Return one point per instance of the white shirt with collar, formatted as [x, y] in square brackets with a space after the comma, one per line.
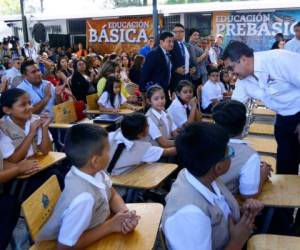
[76, 218]
[250, 173]
[277, 82]
[154, 131]
[187, 57]
[8, 149]
[293, 45]
[211, 91]
[153, 154]
[168, 60]
[177, 111]
[189, 228]
[105, 101]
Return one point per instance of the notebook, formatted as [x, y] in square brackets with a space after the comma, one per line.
[108, 118]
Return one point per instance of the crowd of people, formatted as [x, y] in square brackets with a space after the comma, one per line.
[177, 80]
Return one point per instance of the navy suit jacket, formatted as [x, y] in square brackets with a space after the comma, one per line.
[178, 59]
[155, 69]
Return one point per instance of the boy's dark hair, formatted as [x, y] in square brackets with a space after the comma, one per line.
[297, 25]
[83, 141]
[109, 88]
[211, 70]
[182, 84]
[192, 31]
[231, 115]
[163, 36]
[235, 50]
[179, 25]
[200, 146]
[132, 125]
[25, 64]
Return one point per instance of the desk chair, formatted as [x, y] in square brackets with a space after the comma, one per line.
[91, 101]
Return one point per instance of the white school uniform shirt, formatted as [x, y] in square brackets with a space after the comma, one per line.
[276, 82]
[250, 173]
[293, 45]
[76, 218]
[211, 91]
[177, 111]
[6, 146]
[153, 154]
[154, 131]
[118, 101]
[189, 228]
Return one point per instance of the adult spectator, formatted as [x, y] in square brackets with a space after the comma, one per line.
[30, 51]
[294, 44]
[157, 68]
[181, 59]
[198, 57]
[264, 77]
[42, 93]
[81, 84]
[81, 52]
[216, 51]
[136, 69]
[278, 37]
[13, 75]
[148, 47]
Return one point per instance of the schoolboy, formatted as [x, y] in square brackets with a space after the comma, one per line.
[128, 148]
[81, 214]
[200, 211]
[246, 174]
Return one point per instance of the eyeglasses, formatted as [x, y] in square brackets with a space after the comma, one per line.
[214, 75]
[178, 31]
[230, 153]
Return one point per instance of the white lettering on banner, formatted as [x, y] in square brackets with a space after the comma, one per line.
[116, 35]
[252, 25]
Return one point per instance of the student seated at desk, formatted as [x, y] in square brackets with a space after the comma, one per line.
[9, 206]
[184, 108]
[82, 213]
[246, 174]
[25, 132]
[200, 212]
[128, 148]
[112, 99]
[161, 126]
[212, 92]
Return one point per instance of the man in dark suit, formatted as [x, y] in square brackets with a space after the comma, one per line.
[183, 65]
[157, 68]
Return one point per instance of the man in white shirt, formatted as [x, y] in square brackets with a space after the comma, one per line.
[13, 75]
[294, 44]
[272, 77]
[215, 51]
[30, 51]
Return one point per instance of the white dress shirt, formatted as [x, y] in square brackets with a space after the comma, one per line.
[177, 112]
[277, 81]
[154, 131]
[186, 58]
[153, 154]
[7, 148]
[211, 91]
[105, 101]
[189, 228]
[250, 172]
[293, 45]
[76, 218]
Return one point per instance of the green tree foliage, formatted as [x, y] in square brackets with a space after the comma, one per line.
[9, 7]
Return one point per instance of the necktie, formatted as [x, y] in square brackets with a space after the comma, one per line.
[187, 110]
[182, 49]
[115, 157]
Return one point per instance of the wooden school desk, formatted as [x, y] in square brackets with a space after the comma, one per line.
[281, 191]
[261, 128]
[123, 111]
[69, 125]
[146, 176]
[143, 237]
[263, 112]
[273, 242]
[270, 160]
[46, 161]
[262, 144]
